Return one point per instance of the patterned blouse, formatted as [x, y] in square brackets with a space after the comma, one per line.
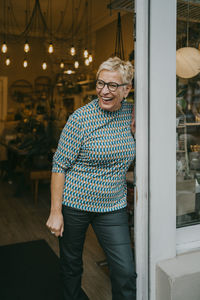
[94, 152]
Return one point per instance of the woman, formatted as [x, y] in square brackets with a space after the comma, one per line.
[88, 183]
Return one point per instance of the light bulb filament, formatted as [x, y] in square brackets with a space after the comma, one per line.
[7, 62]
[44, 65]
[50, 49]
[4, 48]
[85, 53]
[25, 63]
[72, 51]
[26, 47]
[76, 64]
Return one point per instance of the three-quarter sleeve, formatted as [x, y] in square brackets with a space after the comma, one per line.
[68, 146]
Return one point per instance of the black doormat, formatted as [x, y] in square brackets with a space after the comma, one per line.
[29, 271]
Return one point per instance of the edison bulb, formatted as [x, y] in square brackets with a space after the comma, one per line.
[85, 53]
[87, 62]
[7, 61]
[4, 48]
[72, 51]
[44, 65]
[26, 47]
[90, 58]
[25, 63]
[76, 64]
[50, 49]
[62, 65]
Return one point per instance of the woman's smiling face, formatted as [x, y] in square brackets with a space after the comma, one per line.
[108, 100]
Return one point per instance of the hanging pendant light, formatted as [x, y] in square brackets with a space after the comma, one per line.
[187, 58]
[44, 65]
[4, 48]
[26, 47]
[62, 65]
[50, 49]
[72, 50]
[85, 53]
[25, 63]
[7, 61]
[90, 58]
[76, 64]
[187, 62]
[87, 62]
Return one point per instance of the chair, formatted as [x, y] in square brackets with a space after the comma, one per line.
[35, 177]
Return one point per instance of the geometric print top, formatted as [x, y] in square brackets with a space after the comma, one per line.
[94, 152]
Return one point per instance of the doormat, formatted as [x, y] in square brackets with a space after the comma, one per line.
[29, 271]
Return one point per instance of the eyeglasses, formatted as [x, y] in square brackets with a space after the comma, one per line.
[112, 86]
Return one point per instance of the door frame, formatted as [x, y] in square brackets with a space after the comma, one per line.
[142, 140]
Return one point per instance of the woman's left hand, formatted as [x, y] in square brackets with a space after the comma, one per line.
[133, 121]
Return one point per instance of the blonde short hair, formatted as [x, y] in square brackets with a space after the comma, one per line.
[113, 64]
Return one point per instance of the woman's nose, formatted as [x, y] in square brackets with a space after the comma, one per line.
[105, 89]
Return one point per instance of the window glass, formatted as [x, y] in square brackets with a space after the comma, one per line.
[188, 113]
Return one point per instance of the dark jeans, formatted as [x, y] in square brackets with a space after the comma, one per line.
[112, 232]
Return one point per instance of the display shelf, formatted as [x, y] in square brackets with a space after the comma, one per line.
[192, 124]
[182, 148]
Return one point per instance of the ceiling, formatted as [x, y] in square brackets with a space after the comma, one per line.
[65, 17]
[59, 17]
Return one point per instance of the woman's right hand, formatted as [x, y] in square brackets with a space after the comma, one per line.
[55, 223]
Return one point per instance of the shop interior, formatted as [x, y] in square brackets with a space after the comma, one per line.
[187, 113]
[50, 52]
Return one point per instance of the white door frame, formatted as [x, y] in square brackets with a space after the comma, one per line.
[155, 85]
[142, 112]
[162, 136]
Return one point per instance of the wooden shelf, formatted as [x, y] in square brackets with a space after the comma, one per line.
[192, 124]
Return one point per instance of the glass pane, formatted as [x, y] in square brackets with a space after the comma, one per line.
[188, 113]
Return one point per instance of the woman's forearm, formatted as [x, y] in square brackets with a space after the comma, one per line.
[57, 184]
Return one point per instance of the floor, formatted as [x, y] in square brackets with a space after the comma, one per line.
[21, 220]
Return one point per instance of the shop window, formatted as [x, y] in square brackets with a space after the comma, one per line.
[188, 114]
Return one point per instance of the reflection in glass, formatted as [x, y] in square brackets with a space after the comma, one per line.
[188, 152]
[187, 120]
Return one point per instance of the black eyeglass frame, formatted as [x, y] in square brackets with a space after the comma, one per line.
[108, 85]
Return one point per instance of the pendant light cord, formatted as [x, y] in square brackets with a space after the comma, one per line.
[188, 15]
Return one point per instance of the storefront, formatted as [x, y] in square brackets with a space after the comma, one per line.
[167, 205]
[167, 208]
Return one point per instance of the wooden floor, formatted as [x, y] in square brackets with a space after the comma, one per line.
[21, 220]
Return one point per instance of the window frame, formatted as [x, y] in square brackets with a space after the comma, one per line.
[188, 239]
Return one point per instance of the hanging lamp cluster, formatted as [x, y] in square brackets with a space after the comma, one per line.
[87, 57]
[36, 27]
